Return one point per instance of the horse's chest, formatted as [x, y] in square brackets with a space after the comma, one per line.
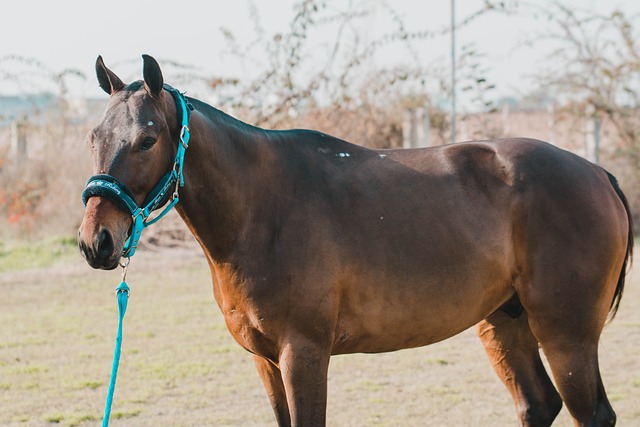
[248, 331]
[248, 320]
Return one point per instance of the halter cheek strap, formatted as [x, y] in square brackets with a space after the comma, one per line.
[108, 186]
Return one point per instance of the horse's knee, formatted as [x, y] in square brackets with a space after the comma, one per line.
[608, 421]
[575, 368]
[605, 415]
[540, 415]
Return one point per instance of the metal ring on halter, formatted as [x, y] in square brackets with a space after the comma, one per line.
[124, 264]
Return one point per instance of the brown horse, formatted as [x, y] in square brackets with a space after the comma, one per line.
[320, 247]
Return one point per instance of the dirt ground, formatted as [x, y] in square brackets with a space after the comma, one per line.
[180, 367]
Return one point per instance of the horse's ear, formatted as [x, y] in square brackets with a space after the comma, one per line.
[109, 82]
[152, 75]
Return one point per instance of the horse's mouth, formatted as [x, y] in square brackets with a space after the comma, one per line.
[107, 266]
[98, 263]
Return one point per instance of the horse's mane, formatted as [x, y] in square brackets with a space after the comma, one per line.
[220, 116]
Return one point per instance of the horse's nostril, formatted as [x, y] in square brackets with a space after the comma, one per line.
[105, 244]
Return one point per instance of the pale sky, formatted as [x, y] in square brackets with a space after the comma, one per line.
[71, 33]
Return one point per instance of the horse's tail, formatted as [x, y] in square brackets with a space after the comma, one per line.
[617, 296]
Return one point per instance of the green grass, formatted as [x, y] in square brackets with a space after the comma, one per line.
[125, 414]
[70, 419]
[30, 370]
[36, 254]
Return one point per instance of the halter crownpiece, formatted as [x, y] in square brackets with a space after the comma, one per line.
[105, 185]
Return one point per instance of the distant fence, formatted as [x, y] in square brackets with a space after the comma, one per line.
[416, 128]
[585, 134]
[18, 142]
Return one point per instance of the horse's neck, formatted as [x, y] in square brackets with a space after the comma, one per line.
[219, 175]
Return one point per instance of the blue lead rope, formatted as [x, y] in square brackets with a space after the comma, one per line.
[122, 293]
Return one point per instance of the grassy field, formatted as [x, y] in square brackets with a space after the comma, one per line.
[180, 367]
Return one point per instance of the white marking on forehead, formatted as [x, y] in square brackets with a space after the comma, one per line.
[150, 123]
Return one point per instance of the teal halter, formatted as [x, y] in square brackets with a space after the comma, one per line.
[110, 187]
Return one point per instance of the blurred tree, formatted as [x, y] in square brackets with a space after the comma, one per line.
[32, 191]
[597, 64]
[344, 86]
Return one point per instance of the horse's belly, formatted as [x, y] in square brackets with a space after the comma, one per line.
[382, 316]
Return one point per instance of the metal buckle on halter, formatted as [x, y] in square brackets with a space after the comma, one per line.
[139, 213]
[183, 131]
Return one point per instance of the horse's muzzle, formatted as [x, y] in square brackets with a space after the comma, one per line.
[99, 253]
[102, 233]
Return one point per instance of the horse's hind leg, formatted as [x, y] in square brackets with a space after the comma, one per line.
[570, 343]
[272, 380]
[575, 368]
[513, 351]
[567, 311]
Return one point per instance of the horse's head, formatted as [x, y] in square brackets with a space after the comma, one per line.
[135, 145]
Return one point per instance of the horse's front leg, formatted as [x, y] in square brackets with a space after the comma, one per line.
[304, 365]
[272, 380]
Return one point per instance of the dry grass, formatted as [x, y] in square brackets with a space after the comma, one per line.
[180, 367]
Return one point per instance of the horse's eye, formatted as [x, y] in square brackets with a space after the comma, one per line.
[147, 144]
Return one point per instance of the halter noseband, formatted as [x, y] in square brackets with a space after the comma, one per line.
[110, 187]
